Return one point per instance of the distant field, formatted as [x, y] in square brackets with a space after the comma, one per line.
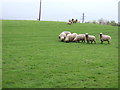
[33, 56]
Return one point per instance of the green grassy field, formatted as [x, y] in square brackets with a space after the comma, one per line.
[33, 56]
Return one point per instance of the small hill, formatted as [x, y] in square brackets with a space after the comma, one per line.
[33, 56]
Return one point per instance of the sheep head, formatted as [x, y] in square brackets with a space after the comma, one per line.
[62, 38]
[101, 34]
[86, 35]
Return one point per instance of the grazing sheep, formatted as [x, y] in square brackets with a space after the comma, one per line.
[80, 37]
[69, 23]
[104, 38]
[90, 38]
[74, 21]
[67, 39]
[72, 37]
[62, 36]
[67, 32]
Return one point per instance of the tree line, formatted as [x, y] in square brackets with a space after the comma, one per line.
[104, 22]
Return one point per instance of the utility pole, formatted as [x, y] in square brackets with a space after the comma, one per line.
[83, 18]
[40, 11]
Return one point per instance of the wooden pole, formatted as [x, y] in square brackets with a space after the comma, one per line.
[83, 17]
[40, 11]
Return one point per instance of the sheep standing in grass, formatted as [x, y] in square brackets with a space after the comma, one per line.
[79, 37]
[67, 39]
[72, 37]
[69, 23]
[62, 36]
[105, 38]
[67, 32]
[74, 21]
[90, 38]
[69, 20]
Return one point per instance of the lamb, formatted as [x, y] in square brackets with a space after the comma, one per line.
[62, 36]
[90, 38]
[79, 37]
[104, 38]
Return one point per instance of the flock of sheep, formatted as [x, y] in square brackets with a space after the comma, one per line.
[67, 36]
[72, 21]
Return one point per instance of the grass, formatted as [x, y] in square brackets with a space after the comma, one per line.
[33, 57]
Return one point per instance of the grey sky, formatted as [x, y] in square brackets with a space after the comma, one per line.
[60, 10]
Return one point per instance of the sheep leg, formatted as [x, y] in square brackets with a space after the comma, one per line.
[67, 41]
[95, 41]
[76, 41]
[87, 41]
[108, 42]
[84, 40]
[81, 40]
[62, 40]
[91, 41]
[101, 42]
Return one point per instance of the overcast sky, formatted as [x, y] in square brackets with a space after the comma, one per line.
[60, 10]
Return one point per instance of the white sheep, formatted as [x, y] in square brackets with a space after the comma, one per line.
[90, 38]
[69, 23]
[72, 36]
[67, 32]
[62, 36]
[67, 39]
[79, 37]
[104, 38]
[74, 21]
